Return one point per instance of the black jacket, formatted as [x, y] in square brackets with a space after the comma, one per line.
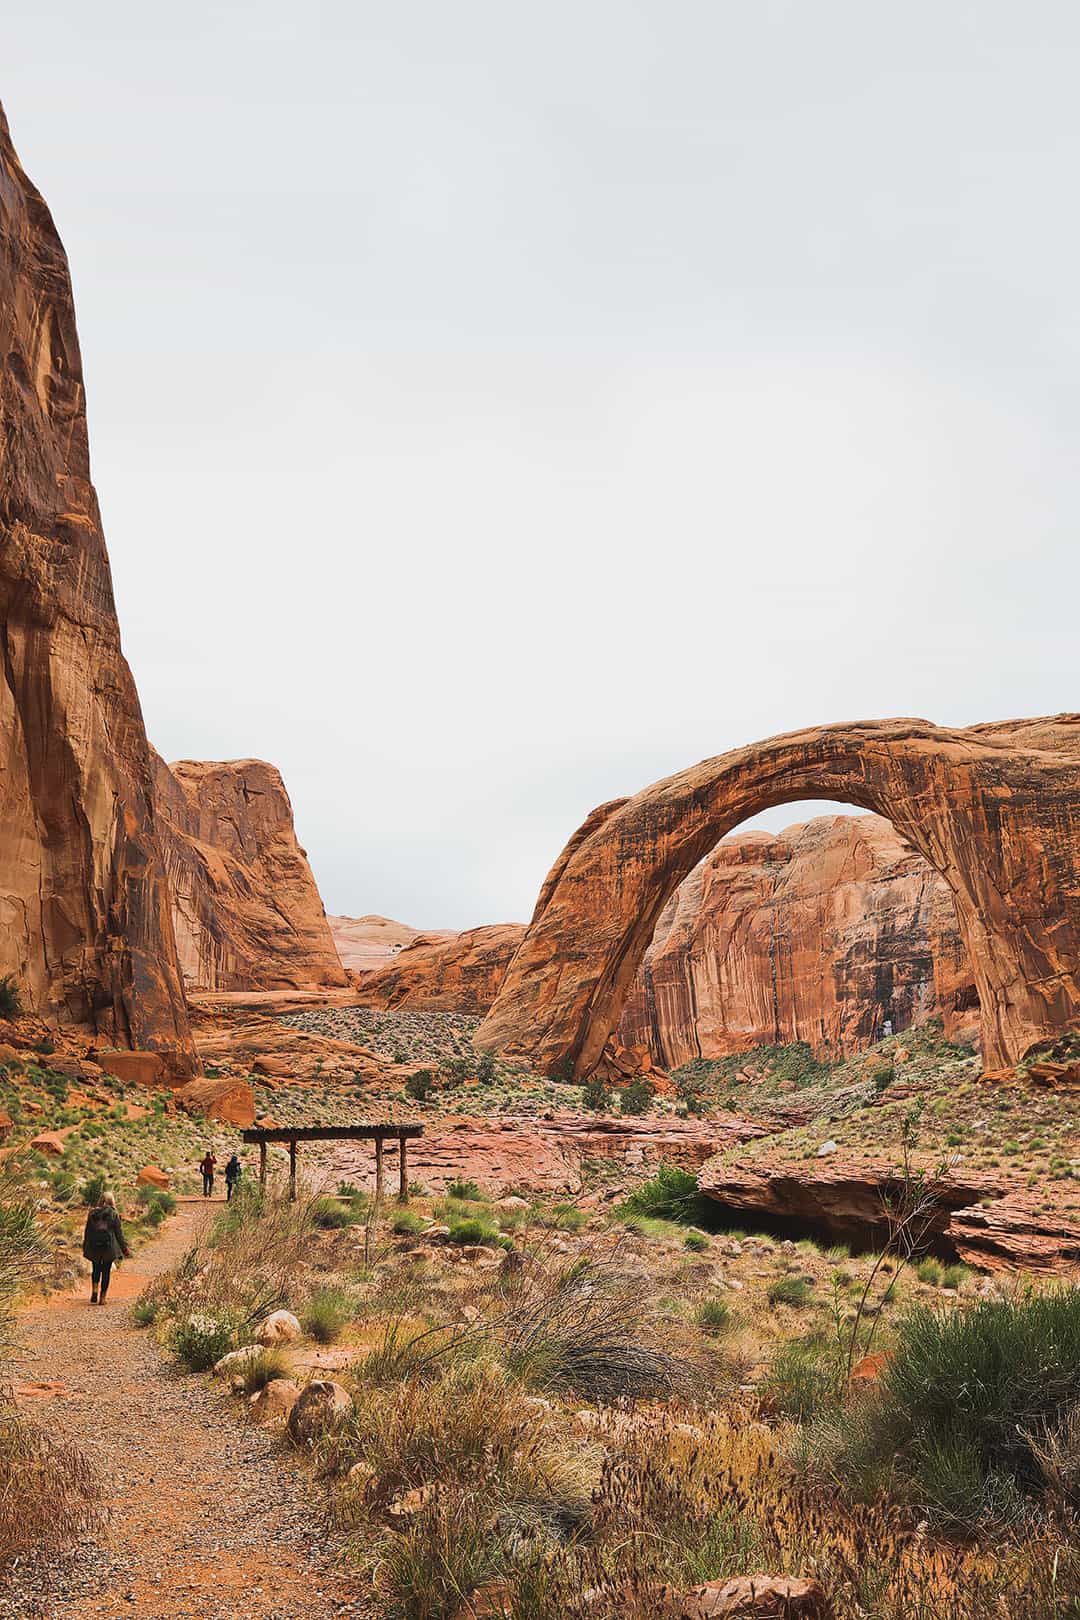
[103, 1239]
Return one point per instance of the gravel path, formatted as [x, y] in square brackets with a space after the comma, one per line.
[208, 1519]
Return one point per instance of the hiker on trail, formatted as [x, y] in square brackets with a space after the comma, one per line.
[208, 1166]
[233, 1171]
[104, 1245]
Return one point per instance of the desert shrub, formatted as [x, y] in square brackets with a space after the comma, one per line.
[63, 1186]
[407, 1223]
[421, 1085]
[155, 1213]
[595, 1097]
[930, 1271]
[330, 1214]
[486, 1069]
[790, 1291]
[248, 1264]
[326, 1314]
[697, 1242]
[10, 999]
[446, 1550]
[158, 1195]
[262, 1368]
[144, 1312]
[969, 1397]
[637, 1097]
[473, 1230]
[714, 1315]
[803, 1378]
[49, 1492]
[671, 1195]
[200, 1340]
[954, 1276]
[459, 1188]
[93, 1188]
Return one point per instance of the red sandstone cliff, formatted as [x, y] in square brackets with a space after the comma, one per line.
[84, 917]
[246, 910]
[818, 934]
[368, 944]
[449, 973]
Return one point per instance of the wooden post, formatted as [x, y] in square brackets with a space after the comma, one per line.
[292, 1170]
[378, 1169]
[262, 1166]
[403, 1172]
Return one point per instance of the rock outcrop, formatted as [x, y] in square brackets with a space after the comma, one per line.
[819, 934]
[367, 944]
[245, 907]
[84, 916]
[994, 809]
[456, 972]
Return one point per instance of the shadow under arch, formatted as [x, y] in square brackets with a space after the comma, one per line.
[994, 809]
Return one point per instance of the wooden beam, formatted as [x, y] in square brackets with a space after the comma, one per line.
[378, 1168]
[292, 1170]
[403, 1172]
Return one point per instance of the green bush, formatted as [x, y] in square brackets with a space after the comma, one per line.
[10, 1000]
[969, 1399]
[671, 1195]
[930, 1272]
[463, 1189]
[714, 1315]
[790, 1291]
[330, 1214]
[421, 1085]
[157, 1197]
[696, 1241]
[595, 1097]
[200, 1340]
[93, 1189]
[637, 1097]
[326, 1313]
[801, 1380]
[63, 1186]
[407, 1223]
[144, 1312]
[262, 1368]
[953, 1276]
[472, 1230]
[486, 1071]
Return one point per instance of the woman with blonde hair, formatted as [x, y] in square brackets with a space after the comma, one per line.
[103, 1245]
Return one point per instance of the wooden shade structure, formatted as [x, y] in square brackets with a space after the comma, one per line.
[378, 1133]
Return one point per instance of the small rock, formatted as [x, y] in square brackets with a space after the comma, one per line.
[275, 1401]
[826, 1148]
[280, 1327]
[321, 1406]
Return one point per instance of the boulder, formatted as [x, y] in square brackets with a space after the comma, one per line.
[9, 1054]
[234, 1362]
[321, 1406]
[49, 1142]
[748, 1597]
[135, 1068]
[227, 1099]
[151, 1176]
[280, 1327]
[275, 1401]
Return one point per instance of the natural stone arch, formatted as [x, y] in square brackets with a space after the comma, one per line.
[994, 809]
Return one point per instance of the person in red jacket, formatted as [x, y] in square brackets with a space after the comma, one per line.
[208, 1166]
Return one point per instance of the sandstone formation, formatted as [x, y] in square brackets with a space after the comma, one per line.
[229, 1100]
[246, 911]
[367, 944]
[84, 917]
[819, 934]
[448, 973]
[989, 1221]
[994, 809]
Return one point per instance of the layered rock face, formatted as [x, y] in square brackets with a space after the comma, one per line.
[246, 910]
[995, 810]
[449, 973]
[818, 934]
[367, 944]
[84, 916]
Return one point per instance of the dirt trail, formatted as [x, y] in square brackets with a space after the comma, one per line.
[208, 1520]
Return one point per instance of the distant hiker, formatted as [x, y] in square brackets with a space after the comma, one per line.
[103, 1245]
[208, 1166]
[233, 1171]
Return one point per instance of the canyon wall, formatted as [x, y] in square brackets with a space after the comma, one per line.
[246, 910]
[367, 944]
[819, 934]
[84, 917]
[446, 972]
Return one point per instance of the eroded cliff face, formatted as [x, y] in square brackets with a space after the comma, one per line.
[246, 910]
[84, 918]
[367, 944]
[818, 934]
[448, 973]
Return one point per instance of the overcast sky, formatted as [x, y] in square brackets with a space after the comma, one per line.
[497, 406]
